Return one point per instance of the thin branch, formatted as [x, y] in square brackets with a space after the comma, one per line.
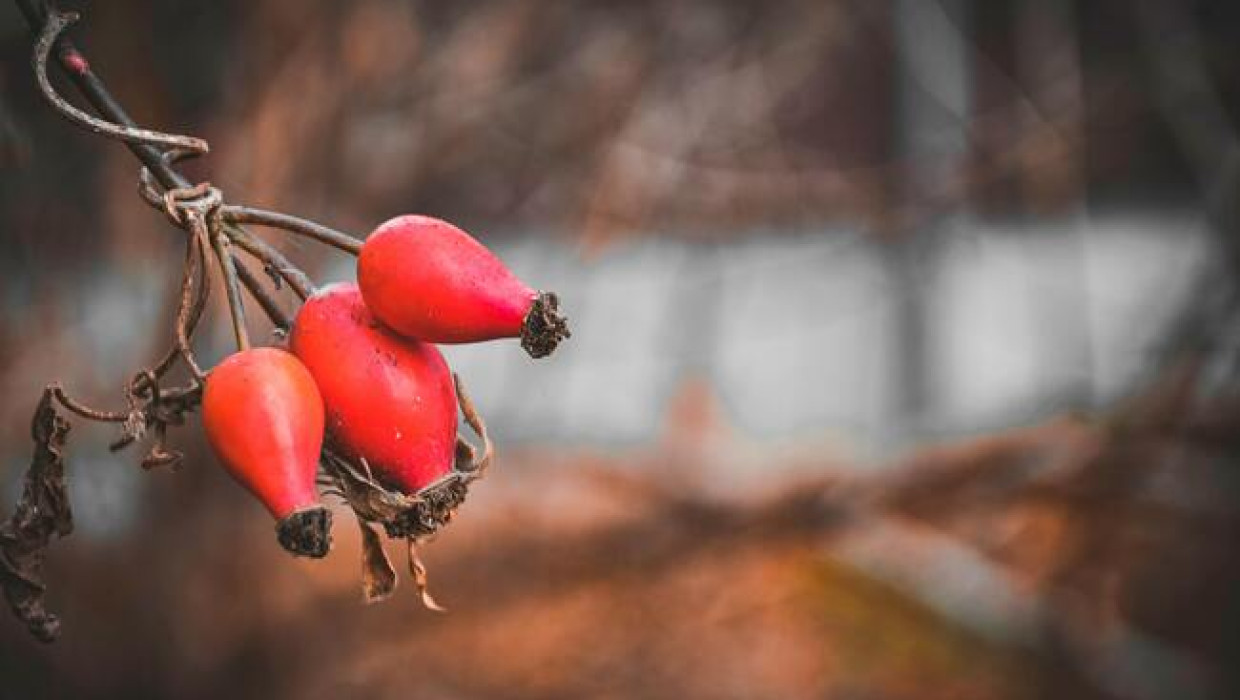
[278, 318]
[187, 322]
[157, 163]
[79, 72]
[83, 410]
[236, 305]
[195, 290]
[293, 224]
[271, 258]
[183, 332]
[56, 23]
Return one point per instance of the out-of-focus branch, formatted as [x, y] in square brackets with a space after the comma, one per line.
[1194, 109]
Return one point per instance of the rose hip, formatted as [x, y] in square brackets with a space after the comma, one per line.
[390, 400]
[427, 279]
[263, 416]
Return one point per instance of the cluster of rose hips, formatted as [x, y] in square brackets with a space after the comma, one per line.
[361, 390]
[362, 376]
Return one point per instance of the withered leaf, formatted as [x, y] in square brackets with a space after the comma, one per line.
[378, 574]
[418, 570]
[466, 460]
[42, 513]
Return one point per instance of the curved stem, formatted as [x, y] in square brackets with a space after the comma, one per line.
[195, 289]
[477, 467]
[158, 163]
[293, 224]
[79, 72]
[55, 24]
[184, 332]
[83, 410]
[187, 323]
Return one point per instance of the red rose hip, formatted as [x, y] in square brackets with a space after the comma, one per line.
[427, 279]
[390, 400]
[263, 416]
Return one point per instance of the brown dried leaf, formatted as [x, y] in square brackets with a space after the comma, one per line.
[41, 514]
[418, 570]
[466, 459]
[378, 574]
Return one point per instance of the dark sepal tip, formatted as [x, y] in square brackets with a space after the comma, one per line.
[306, 533]
[432, 510]
[544, 327]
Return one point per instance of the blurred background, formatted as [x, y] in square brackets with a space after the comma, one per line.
[905, 356]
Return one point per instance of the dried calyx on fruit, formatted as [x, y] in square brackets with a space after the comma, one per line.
[263, 416]
[417, 514]
[412, 516]
[427, 279]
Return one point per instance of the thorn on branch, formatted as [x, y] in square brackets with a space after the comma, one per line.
[276, 280]
[270, 307]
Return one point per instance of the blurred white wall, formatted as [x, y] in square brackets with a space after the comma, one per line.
[1022, 322]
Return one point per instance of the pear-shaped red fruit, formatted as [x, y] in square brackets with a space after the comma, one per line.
[427, 279]
[263, 416]
[390, 400]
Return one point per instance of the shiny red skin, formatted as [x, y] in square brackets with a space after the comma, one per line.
[390, 400]
[427, 279]
[263, 415]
